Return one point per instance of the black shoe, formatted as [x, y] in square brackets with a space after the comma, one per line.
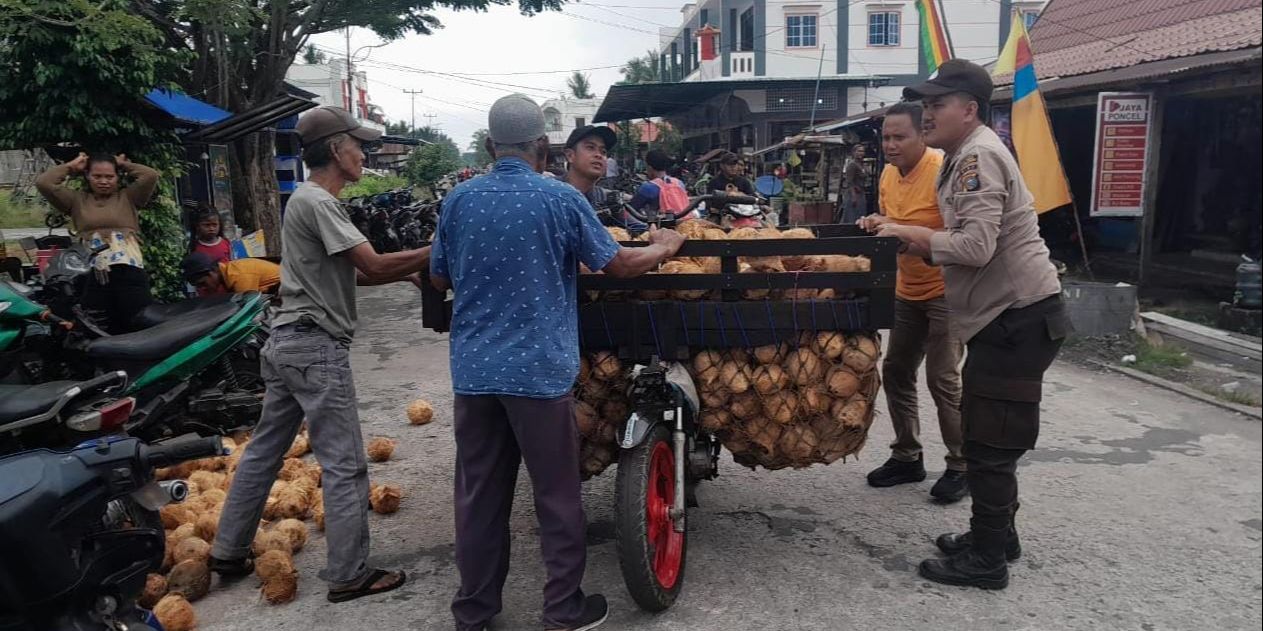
[595, 611]
[981, 565]
[234, 568]
[950, 488]
[952, 543]
[897, 472]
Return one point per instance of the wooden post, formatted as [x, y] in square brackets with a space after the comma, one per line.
[1150, 217]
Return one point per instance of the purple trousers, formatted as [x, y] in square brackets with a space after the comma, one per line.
[494, 434]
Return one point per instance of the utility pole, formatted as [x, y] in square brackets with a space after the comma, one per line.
[413, 124]
[429, 119]
[350, 96]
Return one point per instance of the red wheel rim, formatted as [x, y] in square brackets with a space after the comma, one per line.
[666, 545]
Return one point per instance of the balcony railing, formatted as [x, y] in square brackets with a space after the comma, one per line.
[742, 64]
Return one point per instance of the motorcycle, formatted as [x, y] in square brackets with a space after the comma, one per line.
[392, 221]
[81, 532]
[195, 363]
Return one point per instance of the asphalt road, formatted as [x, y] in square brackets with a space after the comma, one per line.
[1141, 510]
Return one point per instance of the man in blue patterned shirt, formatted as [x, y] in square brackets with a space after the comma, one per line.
[509, 245]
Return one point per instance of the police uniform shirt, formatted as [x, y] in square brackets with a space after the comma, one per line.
[992, 255]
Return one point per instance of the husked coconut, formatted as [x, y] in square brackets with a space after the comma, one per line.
[798, 443]
[861, 353]
[273, 563]
[691, 229]
[830, 344]
[714, 419]
[207, 525]
[380, 449]
[763, 434]
[318, 513]
[155, 589]
[216, 497]
[850, 414]
[184, 531]
[734, 376]
[804, 367]
[175, 613]
[280, 589]
[684, 267]
[746, 405]
[714, 234]
[815, 399]
[190, 579]
[615, 410]
[713, 396]
[385, 499]
[299, 447]
[420, 412]
[191, 548]
[606, 366]
[781, 407]
[769, 378]
[842, 383]
[706, 365]
[619, 234]
[265, 540]
[585, 370]
[295, 531]
[175, 515]
[771, 353]
[585, 417]
[206, 480]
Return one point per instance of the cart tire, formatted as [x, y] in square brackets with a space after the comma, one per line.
[650, 552]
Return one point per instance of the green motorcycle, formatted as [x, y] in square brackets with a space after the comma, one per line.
[194, 367]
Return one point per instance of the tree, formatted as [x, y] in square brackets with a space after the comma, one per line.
[669, 139]
[628, 142]
[479, 148]
[580, 86]
[244, 47]
[429, 163]
[641, 69]
[78, 72]
[313, 56]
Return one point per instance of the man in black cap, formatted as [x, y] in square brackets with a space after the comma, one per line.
[1006, 306]
[587, 159]
[731, 178]
[306, 363]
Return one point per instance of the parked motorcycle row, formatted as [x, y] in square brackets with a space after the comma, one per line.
[85, 418]
[394, 221]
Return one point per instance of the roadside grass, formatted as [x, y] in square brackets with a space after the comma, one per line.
[20, 213]
[1160, 359]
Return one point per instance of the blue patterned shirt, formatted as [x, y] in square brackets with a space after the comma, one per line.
[511, 242]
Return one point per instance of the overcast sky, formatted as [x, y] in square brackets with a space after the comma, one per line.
[486, 51]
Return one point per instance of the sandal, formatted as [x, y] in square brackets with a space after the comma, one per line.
[366, 587]
[235, 568]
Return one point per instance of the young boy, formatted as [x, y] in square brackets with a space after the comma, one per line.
[206, 235]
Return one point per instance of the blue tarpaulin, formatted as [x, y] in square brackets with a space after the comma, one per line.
[186, 108]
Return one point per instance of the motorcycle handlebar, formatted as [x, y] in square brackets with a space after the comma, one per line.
[173, 453]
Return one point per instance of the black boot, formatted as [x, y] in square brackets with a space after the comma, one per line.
[897, 472]
[953, 543]
[981, 565]
[950, 488]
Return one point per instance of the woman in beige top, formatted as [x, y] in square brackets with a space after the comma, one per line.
[105, 215]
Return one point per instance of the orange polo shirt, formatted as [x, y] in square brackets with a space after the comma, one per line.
[912, 200]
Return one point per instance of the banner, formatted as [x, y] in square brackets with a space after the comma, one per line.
[1122, 153]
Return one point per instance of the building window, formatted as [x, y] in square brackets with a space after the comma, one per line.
[883, 28]
[552, 119]
[800, 31]
[1028, 17]
[746, 29]
[580, 122]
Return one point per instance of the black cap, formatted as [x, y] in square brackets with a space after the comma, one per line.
[601, 131]
[955, 75]
[197, 264]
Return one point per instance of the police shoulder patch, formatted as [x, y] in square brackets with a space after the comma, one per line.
[967, 174]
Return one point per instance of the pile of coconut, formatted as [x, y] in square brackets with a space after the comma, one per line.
[294, 502]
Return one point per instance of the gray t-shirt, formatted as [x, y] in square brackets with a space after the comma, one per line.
[315, 281]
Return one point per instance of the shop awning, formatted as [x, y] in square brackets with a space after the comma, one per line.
[649, 100]
[185, 108]
[229, 129]
[801, 140]
[850, 120]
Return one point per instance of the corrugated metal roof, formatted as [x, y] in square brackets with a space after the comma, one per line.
[649, 100]
[1127, 77]
[1068, 23]
[1103, 47]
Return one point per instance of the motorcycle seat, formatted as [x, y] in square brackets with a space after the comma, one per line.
[20, 401]
[161, 341]
[156, 314]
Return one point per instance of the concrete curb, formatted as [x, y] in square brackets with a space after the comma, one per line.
[1180, 388]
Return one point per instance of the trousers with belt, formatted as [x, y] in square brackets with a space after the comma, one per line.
[1002, 387]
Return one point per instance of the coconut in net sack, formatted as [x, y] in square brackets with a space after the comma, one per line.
[601, 406]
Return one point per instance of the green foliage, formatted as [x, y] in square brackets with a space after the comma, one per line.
[640, 69]
[1156, 358]
[20, 213]
[77, 71]
[428, 164]
[579, 85]
[670, 140]
[313, 55]
[479, 148]
[628, 139]
[372, 185]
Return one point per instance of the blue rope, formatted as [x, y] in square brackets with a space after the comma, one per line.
[814, 327]
[723, 335]
[833, 308]
[684, 324]
[653, 327]
[737, 313]
[609, 337]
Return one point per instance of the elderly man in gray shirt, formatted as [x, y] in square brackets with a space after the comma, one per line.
[306, 363]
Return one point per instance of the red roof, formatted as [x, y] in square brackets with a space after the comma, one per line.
[1073, 37]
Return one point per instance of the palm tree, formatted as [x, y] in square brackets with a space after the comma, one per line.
[579, 86]
[312, 55]
[641, 69]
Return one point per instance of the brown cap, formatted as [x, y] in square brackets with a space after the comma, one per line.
[326, 121]
[955, 75]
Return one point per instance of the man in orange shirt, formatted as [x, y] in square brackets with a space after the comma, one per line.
[907, 196]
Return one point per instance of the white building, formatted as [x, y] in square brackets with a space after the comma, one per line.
[839, 39]
[562, 116]
[329, 82]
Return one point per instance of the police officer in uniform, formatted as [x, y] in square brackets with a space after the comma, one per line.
[1006, 306]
